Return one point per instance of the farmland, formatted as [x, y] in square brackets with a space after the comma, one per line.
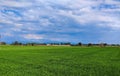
[59, 61]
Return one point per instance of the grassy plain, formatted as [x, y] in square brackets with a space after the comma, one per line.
[59, 61]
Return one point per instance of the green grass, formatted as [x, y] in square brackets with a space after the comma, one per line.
[59, 61]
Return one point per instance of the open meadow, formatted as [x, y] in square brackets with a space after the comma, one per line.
[59, 61]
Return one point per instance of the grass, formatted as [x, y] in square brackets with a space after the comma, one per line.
[59, 61]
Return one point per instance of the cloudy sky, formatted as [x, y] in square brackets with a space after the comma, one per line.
[60, 21]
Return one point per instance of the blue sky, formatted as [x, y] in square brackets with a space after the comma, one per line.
[73, 21]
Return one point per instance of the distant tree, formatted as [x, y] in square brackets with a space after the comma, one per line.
[103, 44]
[42, 44]
[68, 43]
[79, 44]
[61, 43]
[20, 43]
[31, 44]
[65, 43]
[16, 43]
[89, 44]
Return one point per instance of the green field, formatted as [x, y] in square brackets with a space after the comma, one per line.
[59, 61]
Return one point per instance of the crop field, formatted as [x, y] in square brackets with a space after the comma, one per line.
[59, 61]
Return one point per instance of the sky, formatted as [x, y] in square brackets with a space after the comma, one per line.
[86, 21]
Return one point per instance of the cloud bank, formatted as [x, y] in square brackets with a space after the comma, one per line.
[61, 20]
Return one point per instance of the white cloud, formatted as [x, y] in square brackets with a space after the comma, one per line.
[31, 16]
[14, 3]
[32, 36]
[7, 34]
[78, 10]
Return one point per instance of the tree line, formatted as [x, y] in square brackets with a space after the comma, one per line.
[59, 44]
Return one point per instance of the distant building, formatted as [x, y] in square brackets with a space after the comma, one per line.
[2, 43]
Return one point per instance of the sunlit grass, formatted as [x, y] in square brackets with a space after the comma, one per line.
[59, 61]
